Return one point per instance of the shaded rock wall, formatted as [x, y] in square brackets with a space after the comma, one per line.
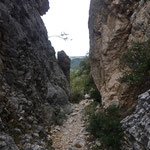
[137, 126]
[64, 63]
[113, 26]
[7, 142]
[33, 88]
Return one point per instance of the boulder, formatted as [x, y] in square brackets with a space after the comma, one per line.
[137, 125]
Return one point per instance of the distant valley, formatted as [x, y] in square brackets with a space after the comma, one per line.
[75, 60]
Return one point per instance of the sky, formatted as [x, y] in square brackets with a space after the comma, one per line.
[71, 17]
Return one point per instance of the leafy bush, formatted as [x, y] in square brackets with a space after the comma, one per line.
[106, 126]
[135, 64]
[89, 109]
[82, 82]
[77, 87]
[76, 95]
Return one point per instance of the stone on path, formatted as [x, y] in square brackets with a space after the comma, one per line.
[72, 135]
[78, 145]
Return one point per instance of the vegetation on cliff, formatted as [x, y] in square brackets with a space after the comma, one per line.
[135, 64]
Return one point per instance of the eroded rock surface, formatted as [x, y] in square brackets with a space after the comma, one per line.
[137, 126]
[7, 143]
[33, 88]
[64, 62]
[113, 26]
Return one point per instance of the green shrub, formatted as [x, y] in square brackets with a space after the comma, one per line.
[106, 127]
[135, 64]
[77, 87]
[82, 82]
[91, 108]
[76, 96]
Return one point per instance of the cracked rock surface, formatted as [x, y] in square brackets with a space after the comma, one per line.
[137, 126]
[34, 91]
[113, 26]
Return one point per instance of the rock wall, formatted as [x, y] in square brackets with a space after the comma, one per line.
[137, 126]
[64, 63]
[113, 26]
[34, 91]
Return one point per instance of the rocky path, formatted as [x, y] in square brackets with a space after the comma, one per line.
[72, 135]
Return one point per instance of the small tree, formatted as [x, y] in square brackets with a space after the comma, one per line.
[135, 64]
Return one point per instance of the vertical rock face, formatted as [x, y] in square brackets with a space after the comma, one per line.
[113, 26]
[137, 126]
[33, 87]
[64, 63]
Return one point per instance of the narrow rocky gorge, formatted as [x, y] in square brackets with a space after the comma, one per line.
[34, 85]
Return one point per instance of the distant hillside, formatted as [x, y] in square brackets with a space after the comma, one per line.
[75, 60]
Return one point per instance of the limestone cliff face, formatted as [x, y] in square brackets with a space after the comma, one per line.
[113, 26]
[34, 91]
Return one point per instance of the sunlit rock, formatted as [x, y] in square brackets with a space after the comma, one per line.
[113, 26]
